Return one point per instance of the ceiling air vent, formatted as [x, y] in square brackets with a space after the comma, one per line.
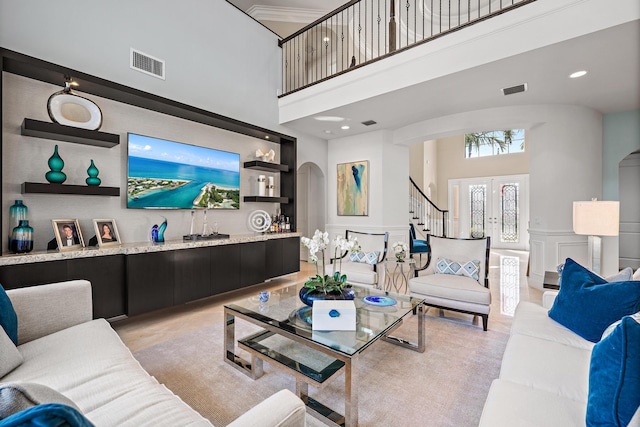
[147, 64]
[369, 122]
[514, 89]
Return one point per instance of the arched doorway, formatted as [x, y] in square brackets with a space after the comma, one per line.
[311, 202]
[629, 241]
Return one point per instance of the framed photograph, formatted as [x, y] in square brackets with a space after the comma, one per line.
[106, 232]
[353, 188]
[68, 235]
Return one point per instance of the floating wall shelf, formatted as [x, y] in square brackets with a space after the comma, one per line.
[39, 129]
[266, 199]
[266, 166]
[37, 187]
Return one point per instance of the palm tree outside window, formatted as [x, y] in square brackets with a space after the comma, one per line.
[493, 143]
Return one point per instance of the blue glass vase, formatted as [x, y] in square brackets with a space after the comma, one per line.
[17, 213]
[22, 238]
[157, 232]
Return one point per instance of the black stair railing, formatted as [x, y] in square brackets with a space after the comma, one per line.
[363, 31]
[429, 217]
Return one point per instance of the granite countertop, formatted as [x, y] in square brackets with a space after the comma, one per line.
[136, 248]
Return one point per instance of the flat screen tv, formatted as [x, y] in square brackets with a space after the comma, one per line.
[165, 174]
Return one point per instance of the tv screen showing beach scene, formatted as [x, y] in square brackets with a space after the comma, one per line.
[172, 175]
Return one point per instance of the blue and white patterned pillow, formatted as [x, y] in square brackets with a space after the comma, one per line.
[366, 257]
[468, 269]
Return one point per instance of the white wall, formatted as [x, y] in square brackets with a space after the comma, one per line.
[565, 164]
[217, 58]
[451, 152]
[500, 37]
[25, 160]
[416, 164]
[388, 184]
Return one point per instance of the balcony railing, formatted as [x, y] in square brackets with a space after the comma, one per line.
[363, 31]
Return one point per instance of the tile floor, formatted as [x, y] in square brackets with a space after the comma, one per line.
[507, 278]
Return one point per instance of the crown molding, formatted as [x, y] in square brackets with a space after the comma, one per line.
[285, 14]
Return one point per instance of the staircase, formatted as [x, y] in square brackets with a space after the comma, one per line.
[426, 216]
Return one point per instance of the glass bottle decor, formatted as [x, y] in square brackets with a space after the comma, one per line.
[93, 175]
[55, 175]
[161, 230]
[22, 238]
[157, 232]
[17, 212]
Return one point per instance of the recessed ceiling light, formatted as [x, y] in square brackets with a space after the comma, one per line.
[266, 137]
[577, 74]
[345, 127]
[327, 131]
[329, 118]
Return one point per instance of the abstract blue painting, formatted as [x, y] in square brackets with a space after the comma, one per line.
[353, 188]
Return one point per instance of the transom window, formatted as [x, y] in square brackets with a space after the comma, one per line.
[493, 143]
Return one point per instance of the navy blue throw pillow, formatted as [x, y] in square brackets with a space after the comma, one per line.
[8, 318]
[587, 304]
[614, 376]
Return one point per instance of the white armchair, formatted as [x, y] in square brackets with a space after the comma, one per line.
[363, 268]
[463, 285]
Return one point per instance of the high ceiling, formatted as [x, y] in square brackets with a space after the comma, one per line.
[611, 57]
[292, 14]
[298, 4]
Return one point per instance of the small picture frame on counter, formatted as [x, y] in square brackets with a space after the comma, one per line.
[106, 232]
[68, 234]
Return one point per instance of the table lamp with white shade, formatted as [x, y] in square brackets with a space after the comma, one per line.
[596, 219]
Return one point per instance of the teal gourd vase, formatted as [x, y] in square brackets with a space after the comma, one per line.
[55, 175]
[93, 175]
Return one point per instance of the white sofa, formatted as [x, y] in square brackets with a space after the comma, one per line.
[544, 377]
[85, 360]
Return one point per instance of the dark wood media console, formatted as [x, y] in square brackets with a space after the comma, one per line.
[132, 284]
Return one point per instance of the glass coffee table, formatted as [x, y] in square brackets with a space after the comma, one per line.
[286, 340]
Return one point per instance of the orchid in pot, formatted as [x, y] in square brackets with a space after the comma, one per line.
[324, 286]
[400, 249]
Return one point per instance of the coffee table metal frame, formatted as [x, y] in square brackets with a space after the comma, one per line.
[304, 375]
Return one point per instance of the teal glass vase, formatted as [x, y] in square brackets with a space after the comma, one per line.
[22, 238]
[55, 175]
[93, 175]
[17, 212]
[161, 230]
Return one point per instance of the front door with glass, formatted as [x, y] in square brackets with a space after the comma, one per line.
[494, 206]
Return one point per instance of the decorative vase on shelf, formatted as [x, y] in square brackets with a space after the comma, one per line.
[55, 175]
[157, 232]
[93, 175]
[17, 212]
[22, 238]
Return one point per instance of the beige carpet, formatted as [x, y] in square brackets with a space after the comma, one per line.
[444, 386]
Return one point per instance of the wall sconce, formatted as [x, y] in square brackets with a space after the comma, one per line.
[595, 219]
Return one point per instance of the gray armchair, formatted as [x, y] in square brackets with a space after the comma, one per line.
[451, 281]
